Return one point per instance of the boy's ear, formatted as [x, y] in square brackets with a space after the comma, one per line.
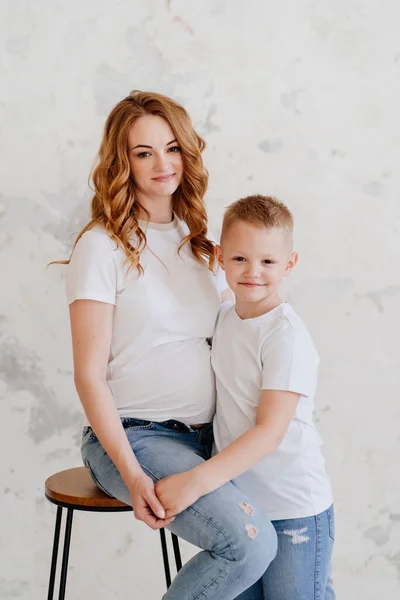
[220, 256]
[292, 262]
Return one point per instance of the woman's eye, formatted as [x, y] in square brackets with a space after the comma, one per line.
[175, 149]
[143, 154]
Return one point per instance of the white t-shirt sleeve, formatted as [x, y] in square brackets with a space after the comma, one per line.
[289, 362]
[92, 271]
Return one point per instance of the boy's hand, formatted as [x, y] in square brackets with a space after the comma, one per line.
[145, 504]
[178, 492]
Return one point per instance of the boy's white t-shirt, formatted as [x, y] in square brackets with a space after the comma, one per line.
[271, 352]
[160, 359]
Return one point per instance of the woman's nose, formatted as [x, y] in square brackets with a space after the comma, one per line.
[161, 162]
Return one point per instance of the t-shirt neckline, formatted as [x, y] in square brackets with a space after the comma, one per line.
[262, 317]
[159, 226]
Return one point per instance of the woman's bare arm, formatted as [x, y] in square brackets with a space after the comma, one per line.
[91, 328]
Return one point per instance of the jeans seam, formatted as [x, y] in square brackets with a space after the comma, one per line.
[215, 528]
[317, 595]
[200, 594]
[149, 473]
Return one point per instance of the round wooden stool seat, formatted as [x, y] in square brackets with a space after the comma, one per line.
[75, 488]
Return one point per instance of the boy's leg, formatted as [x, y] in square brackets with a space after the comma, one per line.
[302, 567]
[238, 547]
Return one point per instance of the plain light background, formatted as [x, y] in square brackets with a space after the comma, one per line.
[299, 99]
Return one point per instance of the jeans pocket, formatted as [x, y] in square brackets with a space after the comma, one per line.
[331, 522]
[94, 478]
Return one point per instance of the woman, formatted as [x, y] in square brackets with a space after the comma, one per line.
[143, 302]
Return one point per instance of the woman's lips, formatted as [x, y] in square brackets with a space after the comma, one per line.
[164, 178]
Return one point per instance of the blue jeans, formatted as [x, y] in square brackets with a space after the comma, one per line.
[237, 548]
[301, 569]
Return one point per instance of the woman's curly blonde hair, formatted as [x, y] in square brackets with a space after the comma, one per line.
[115, 205]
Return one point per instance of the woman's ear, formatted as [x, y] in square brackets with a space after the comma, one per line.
[220, 256]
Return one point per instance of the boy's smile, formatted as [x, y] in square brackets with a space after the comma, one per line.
[255, 260]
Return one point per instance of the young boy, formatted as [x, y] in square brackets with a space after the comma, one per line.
[266, 372]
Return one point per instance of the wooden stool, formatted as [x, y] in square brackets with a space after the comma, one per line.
[74, 489]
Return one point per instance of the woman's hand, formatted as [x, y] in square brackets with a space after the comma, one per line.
[178, 492]
[145, 504]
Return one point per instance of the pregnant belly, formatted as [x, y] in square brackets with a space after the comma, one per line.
[171, 381]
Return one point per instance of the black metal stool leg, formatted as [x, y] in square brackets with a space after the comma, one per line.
[177, 552]
[64, 566]
[55, 553]
[165, 557]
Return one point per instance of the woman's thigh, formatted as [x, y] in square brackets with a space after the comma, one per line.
[222, 521]
[302, 566]
[159, 451]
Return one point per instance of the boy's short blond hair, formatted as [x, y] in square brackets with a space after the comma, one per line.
[258, 210]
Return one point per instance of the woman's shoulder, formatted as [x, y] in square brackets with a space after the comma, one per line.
[93, 271]
[95, 252]
[97, 236]
[95, 244]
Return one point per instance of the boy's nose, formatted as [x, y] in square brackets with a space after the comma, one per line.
[252, 271]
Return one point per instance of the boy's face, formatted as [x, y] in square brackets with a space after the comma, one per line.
[255, 260]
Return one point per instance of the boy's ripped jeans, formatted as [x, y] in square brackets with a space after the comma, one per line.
[302, 567]
[237, 546]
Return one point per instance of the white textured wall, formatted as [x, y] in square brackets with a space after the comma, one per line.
[295, 98]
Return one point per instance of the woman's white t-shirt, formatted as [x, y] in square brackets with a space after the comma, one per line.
[160, 364]
[271, 352]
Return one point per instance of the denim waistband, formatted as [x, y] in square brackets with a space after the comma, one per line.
[170, 424]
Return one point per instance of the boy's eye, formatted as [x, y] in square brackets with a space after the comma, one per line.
[267, 261]
[239, 259]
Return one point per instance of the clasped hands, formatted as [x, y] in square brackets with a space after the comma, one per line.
[178, 492]
[157, 505]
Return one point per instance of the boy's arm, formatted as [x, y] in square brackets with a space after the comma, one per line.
[275, 411]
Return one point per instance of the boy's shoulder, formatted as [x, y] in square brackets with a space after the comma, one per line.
[288, 319]
[280, 324]
[283, 326]
[281, 318]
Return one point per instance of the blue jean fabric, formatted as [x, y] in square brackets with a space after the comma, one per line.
[233, 558]
[302, 567]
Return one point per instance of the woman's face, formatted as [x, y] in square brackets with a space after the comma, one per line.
[155, 158]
